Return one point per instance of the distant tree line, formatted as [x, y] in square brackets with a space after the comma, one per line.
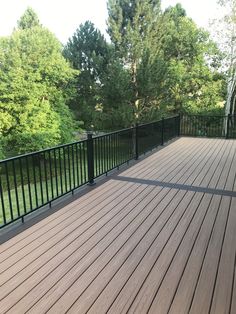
[155, 64]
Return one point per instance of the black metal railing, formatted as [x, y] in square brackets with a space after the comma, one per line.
[231, 127]
[204, 126]
[112, 150]
[31, 181]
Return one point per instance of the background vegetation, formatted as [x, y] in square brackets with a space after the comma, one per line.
[155, 64]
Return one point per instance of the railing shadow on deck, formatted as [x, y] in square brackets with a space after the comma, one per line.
[178, 186]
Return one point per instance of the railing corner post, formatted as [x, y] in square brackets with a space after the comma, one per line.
[179, 124]
[90, 158]
[227, 126]
[162, 130]
[136, 142]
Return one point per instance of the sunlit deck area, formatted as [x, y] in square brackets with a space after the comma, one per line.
[157, 237]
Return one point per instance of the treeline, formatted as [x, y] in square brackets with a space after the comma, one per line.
[155, 64]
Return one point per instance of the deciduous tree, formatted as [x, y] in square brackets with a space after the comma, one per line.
[34, 89]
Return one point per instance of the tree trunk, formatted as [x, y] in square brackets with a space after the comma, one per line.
[136, 103]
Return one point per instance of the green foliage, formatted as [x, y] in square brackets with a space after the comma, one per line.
[28, 20]
[157, 63]
[89, 53]
[193, 83]
[34, 89]
[135, 30]
[115, 110]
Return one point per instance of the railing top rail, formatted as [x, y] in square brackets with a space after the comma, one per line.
[150, 123]
[115, 132]
[74, 143]
[204, 116]
[41, 151]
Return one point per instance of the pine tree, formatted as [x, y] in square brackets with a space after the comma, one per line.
[88, 52]
[135, 29]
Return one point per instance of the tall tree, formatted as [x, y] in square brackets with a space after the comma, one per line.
[34, 89]
[135, 29]
[194, 83]
[225, 31]
[88, 52]
[103, 86]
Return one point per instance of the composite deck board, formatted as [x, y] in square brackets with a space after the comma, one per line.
[233, 294]
[92, 197]
[159, 237]
[63, 227]
[21, 288]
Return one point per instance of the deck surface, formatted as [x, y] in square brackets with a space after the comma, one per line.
[160, 237]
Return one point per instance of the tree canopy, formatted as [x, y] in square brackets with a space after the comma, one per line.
[135, 30]
[87, 52]
[34, 89]
[28, 20]
[155, 63]
[194, 83]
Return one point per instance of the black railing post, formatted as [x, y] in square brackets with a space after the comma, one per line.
[179, 125]
[162, 130]
[90, 159]
[227, 126]
[136, 142]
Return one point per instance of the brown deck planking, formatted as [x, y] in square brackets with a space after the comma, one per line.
[133, 246]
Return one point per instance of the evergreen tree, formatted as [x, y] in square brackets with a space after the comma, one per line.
[135, 29]
[89, 53]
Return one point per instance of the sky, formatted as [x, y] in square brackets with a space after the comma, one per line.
[63, 17]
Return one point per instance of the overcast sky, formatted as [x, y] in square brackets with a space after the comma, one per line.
[63, 16]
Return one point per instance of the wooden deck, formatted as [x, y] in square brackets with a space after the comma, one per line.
[160, 237]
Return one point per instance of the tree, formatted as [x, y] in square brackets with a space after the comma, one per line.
[225, 32]
[194, 82]
[28, 20]
[88, 52]
[135, 30]
[34, 89]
